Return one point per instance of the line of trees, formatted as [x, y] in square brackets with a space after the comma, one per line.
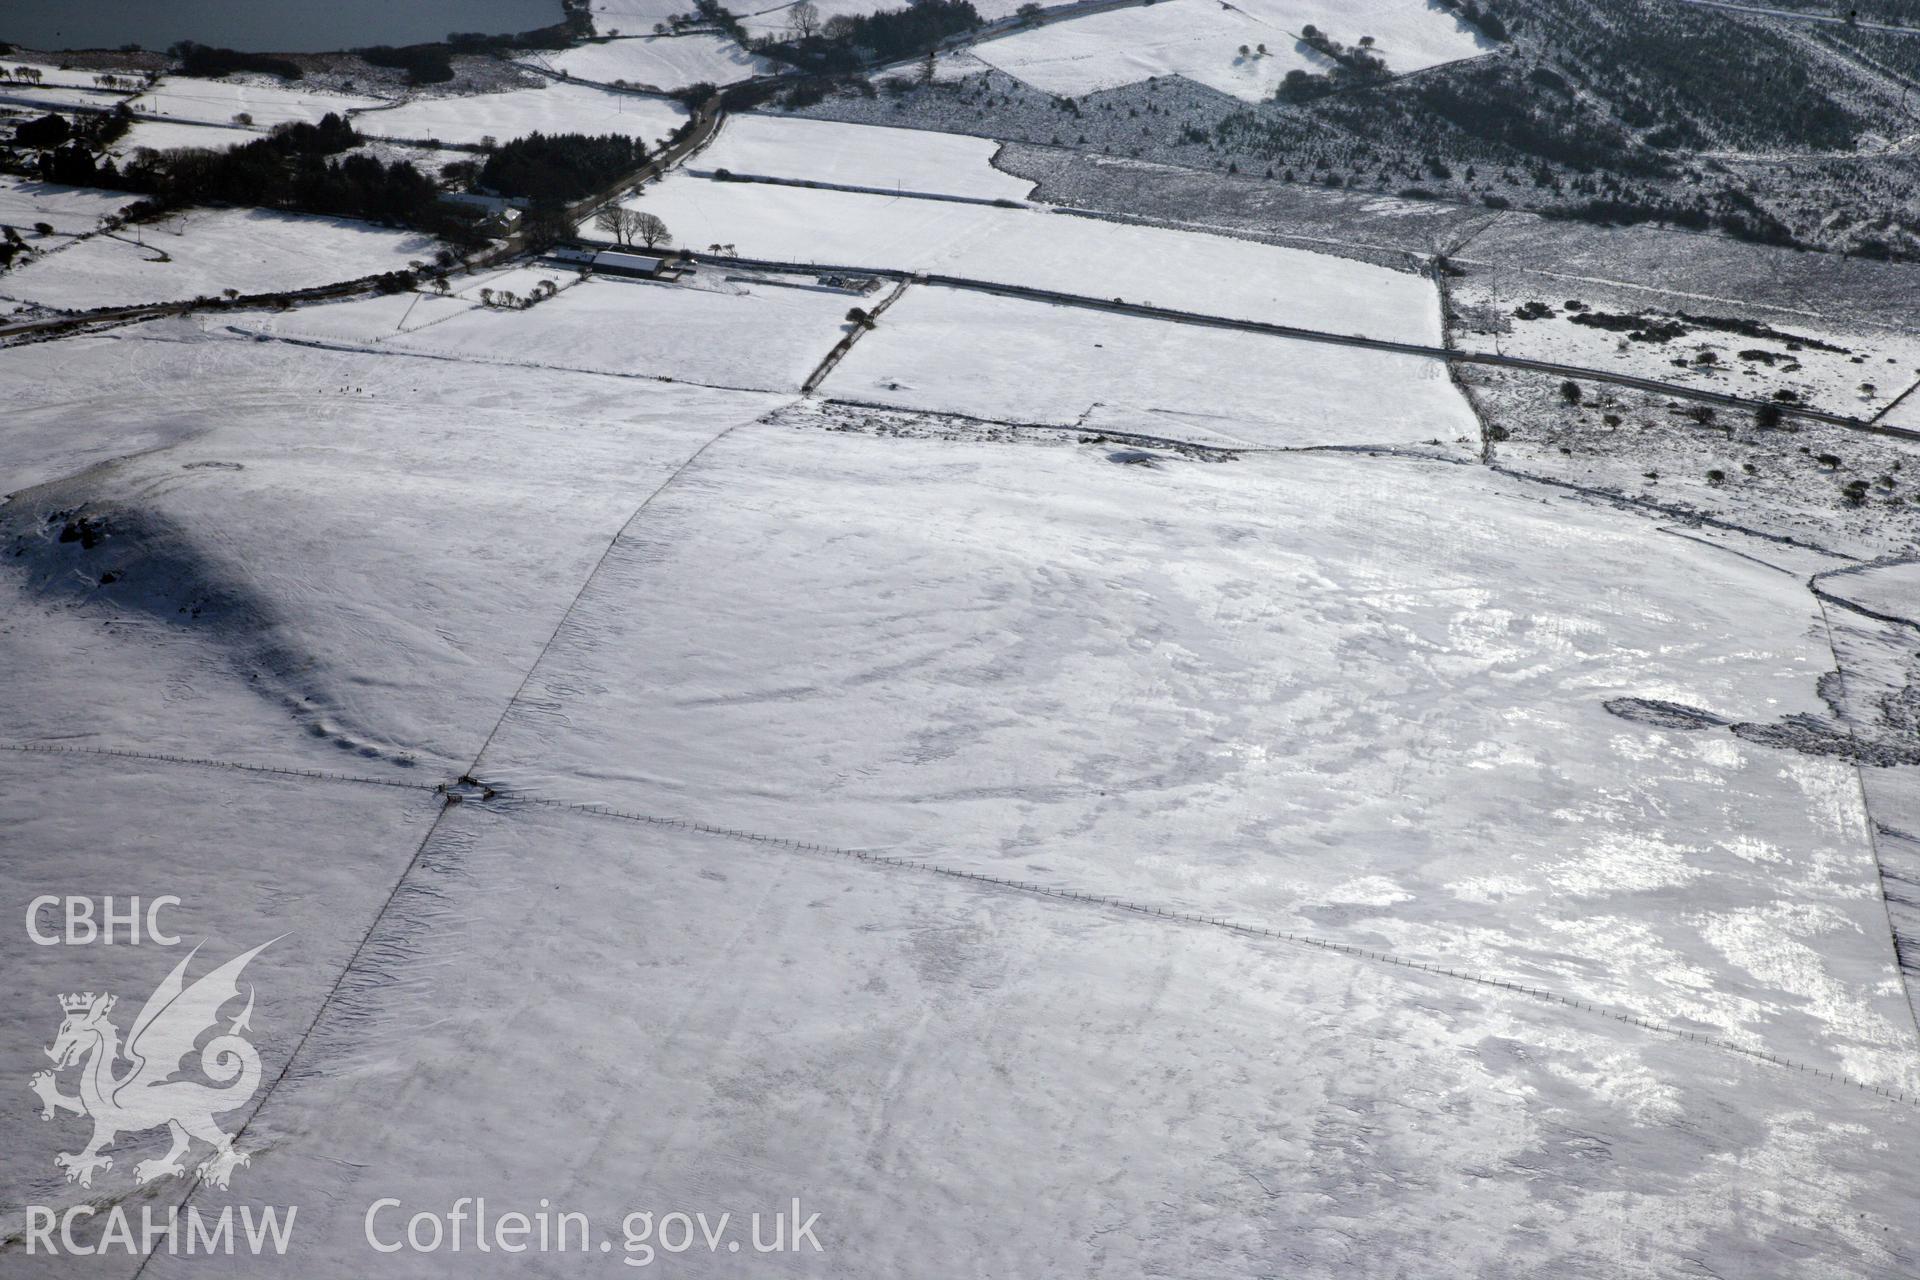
[633, 226]
[1352, 67]
[717, 14]
[208, 62]
[315, 168]
[66, 148]
[298, 167]
[561, 166]
[1359, 62]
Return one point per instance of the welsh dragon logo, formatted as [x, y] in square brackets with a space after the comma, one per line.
[146, 1095]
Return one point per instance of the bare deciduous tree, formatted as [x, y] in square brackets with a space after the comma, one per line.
[628, 225]
[649, 230]
[613, 221]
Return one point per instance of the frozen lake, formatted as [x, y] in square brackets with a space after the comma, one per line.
[247, 24]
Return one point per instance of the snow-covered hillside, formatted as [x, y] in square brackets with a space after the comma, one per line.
[1261, 736]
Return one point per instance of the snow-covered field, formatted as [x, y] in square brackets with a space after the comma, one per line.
[198, 101]
[250, 857]
[855, 155]
[70, 211]
[721, 334]
[760, 339]
[1202, 41]
[368, 321]
[169, 135]
[939, 1070]
[554, 108]
[1342, 695]
[959, 1080]
[1019, 361]
[1891, 590]
[1207, 274]
[1350, 696]
[1906, 413]
[52, 97]
[210, 250]
[664, 62]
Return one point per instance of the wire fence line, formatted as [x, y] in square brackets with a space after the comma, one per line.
[1902, 1096]
[317, 775]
